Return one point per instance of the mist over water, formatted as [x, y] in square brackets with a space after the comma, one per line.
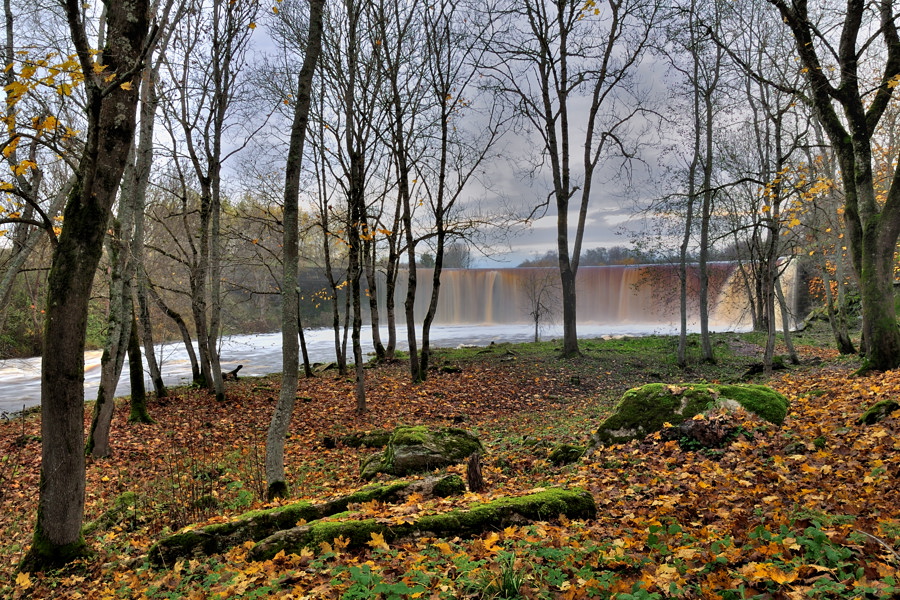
[477, 307]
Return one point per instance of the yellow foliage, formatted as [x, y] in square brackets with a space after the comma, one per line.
[377, 541]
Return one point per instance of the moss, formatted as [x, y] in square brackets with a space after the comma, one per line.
[565, 454]
[376, 492]
[253, 525]
[449, 486]
[646, 409]
[417, 449]
[259, 524]
[369, 439]
[878, 412]
[758, 399]
[410, 436]
[372, 466]
[548, 504]
[45, 554]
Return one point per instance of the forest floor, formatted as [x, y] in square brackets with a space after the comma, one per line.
[808, 509]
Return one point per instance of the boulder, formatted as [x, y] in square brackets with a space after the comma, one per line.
[419, 449]
[367, 439]
[646, 409]
[565, 454]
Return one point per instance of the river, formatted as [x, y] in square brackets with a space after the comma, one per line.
[260, 354]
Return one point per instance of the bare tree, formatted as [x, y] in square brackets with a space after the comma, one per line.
[281, 417]
[352, 84]
[551, 56]
[209, 92]
[542, 297]
[456, 46]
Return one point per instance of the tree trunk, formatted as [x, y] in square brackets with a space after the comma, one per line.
[872, 227]
[281, 416]
[706, 350]
[786, 323]
[120, 311]
[115, 349]
[390, 291]
[142, 168]
[138, 412]
[567, 285]
[689, 209]
[372, 294]
[307, 367]
[110, 130]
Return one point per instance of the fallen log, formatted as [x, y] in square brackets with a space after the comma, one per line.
[257, 525]
[494, 515]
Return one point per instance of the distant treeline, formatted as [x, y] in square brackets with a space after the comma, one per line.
[624, 255]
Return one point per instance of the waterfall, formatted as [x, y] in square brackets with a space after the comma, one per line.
[617, 294]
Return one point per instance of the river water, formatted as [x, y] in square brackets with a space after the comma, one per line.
[260, 354]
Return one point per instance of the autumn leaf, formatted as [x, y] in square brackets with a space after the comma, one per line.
[767, 572]
[11, 147]
[490, 542]
[445, 548]
[377, 541]
[23, 580]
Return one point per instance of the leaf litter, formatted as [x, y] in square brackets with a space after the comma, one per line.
[807, 510]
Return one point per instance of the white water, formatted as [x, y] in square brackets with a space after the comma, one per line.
[260, 354]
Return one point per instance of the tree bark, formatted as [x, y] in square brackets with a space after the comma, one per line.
[142, 167]
[281, 417]
[110, 131]
[873, 230]
[138, 412]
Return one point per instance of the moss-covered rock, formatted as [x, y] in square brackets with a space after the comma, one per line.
[451, 485]
[500, 513]
[878, 412]
[259, 524]
[368, 439]
[565, 454]
[644, 410]
[123, 512]
[419, 449]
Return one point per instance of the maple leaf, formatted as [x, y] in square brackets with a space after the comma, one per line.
[445, 548]
[377, 541]
[23, 580]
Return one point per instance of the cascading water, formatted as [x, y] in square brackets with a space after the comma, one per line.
[644, 294]
[477, 306]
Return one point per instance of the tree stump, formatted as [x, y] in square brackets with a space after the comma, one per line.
[231, 375]
[473, 473]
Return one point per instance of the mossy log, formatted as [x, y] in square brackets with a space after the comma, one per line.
[500, 513]
[878, 412]
[259, 524]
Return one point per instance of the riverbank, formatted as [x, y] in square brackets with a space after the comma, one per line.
[774, 513]
[260, 354]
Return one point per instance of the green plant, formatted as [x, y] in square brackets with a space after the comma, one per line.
[505, 580]
[365, 583]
